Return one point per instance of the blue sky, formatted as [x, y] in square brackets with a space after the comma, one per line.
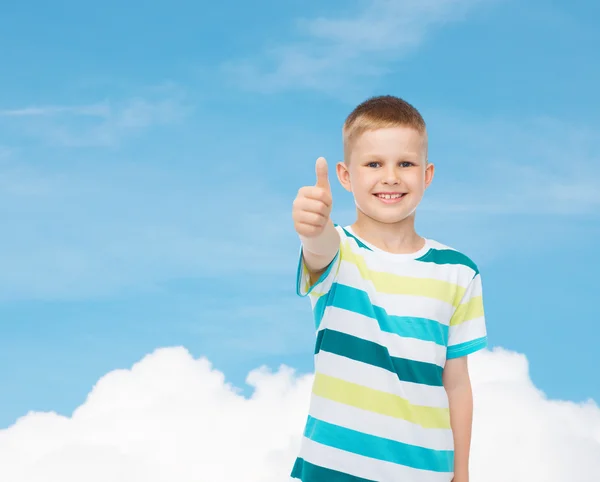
[149, 155]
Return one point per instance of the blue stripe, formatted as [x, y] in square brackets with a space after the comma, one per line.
[466, 348]
[379, 448]
[352, 299]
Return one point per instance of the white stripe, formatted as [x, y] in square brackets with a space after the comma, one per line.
[366, 467]
[412, 268]
[377, 378]
[475, 289]
[467, 331]
[380, 425]
[368, 329]
[396, 304]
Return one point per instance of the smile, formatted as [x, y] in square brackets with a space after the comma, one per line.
[396, 195]
[390, 197]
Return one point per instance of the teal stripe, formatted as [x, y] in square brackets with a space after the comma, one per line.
[358, 241]
[466, 348]
[308, 472]
[358, 301]
[448, 256]
[379, 448]
[373, 354]
[321, 278]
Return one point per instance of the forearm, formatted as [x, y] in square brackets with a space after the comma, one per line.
[461, 418]
[319, 251]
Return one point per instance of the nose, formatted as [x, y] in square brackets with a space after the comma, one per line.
[391, 176]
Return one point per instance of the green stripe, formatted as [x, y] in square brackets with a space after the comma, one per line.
[300, 272]
[371, 353]
[448, 256]
[378, 448]
[358, 301]
[308, 472]
[358, 241]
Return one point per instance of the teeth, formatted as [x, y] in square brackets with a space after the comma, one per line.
[389, 196]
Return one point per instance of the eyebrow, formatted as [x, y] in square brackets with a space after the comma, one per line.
[413, 157]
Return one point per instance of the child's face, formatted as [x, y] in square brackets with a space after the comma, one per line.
[387, 172]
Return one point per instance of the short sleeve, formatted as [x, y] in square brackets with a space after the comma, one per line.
[318, 292]
[467, 332]
[322, 285]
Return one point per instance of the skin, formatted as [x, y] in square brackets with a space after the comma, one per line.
[390, 160]
[383, 160]
[310, 213]
[457, 383]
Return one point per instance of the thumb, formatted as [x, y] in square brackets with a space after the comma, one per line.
[321, 170]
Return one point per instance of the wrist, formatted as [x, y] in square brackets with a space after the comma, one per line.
[324, 243]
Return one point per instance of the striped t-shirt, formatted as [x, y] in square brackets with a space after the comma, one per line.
[386, 324]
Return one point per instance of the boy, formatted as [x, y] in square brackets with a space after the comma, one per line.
[396, 315]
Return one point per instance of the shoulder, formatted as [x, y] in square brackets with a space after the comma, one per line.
[443, 255]
[346, 235]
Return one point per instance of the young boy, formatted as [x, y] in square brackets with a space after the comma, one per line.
[396, 315]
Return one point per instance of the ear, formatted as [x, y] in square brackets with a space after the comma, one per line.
[343, 175]
[429, 171]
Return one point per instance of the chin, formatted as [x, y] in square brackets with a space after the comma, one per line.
[390, 214]
[393, 219]
[386, 218]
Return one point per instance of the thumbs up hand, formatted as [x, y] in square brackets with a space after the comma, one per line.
[312, 206]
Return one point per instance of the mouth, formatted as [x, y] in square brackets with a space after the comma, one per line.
[390, 197]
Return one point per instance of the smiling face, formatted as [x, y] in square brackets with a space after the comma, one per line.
[387, 172]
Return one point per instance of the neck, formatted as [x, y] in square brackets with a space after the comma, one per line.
[398, 238]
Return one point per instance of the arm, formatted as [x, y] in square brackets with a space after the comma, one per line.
[320, 250]
[457, 383]
[311, 209]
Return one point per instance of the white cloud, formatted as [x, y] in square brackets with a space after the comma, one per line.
[521, 435]
[170, 418]
[175, 418]
[99, 124]
[93, 110]
[336, 51]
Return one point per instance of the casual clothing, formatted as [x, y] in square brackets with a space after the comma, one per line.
[386, 324]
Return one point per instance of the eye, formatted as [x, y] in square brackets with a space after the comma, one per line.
[406, 164]
[373, 164]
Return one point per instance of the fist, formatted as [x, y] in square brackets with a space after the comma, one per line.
[312, 205]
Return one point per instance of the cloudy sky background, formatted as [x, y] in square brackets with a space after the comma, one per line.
[149, 155]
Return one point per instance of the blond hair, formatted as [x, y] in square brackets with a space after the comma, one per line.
[378, 113]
